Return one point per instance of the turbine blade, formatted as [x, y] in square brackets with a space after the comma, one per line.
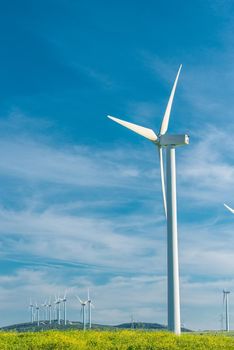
[230, 209]
[147, 133]
[160, 153]
[79, 299]
[88, 293]
[166, 117]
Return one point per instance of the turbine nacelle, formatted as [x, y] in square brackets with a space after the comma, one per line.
[173, 140]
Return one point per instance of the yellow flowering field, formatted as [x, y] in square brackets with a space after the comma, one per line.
[112, 340]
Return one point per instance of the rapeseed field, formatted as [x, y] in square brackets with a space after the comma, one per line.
[112, 340]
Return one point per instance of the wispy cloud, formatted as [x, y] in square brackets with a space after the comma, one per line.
[209, 171]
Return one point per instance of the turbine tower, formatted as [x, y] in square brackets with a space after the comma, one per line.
[31, 310]
[169, 142]
[83, 304]
[90, 305]
[38, 316]
[226, 301]
[64, 300]
[55, 310]
[57, 303]
[45, 310]
[49, 306]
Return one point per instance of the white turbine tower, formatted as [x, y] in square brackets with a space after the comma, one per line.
[37, 314]
[169, 142]
[228, 208]
[83, 304]
[64, 300]
[45, 310]
[31, 306]
[49, 306]
[226, 301]
[55, 309]
[90, 305]
[57, 303]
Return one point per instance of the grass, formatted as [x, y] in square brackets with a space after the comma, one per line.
[112, 340]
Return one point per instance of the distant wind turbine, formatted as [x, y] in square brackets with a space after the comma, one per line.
[90, 306]
[230, 209]
[49, 306]
[58, 309]
[45, 310]
[83, 304]
[37, 314]
[169, 142]
[55, 310]
[31, 310]
[64, 300]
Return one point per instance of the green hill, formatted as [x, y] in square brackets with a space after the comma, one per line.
[74, 325]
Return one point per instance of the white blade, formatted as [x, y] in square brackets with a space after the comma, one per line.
[79, 299]
[160, 152]
[88, 293]
[148, 133]
[166, 117]
[230, 209]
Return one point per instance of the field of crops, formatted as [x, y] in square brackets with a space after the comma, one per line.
[112, 340]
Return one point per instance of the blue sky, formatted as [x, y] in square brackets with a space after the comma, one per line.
[80, 197]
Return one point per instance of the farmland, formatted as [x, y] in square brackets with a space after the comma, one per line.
[116, 340]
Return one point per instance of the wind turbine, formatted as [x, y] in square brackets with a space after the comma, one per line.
[31, 310]
[45, 310]
[64, 300]
[38, 317]
[226, 301]
[55, 309]
[57, 303]
[90, 305]
[169, 142]
[49, 306]
[82, 303]
[230, 209]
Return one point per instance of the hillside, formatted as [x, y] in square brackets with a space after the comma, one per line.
[29, 327]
